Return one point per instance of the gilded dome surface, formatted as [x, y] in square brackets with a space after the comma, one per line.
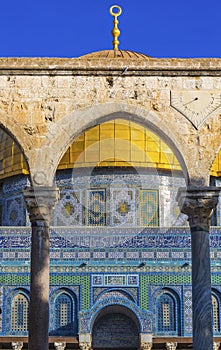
[126, 54]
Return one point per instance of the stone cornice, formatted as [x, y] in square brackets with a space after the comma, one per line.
[110, 66]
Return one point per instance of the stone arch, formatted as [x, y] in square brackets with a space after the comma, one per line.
[72, 125]
[12, 127]
[115, 327]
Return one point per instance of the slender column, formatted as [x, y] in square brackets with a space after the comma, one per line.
[198, 203]
[40, 202]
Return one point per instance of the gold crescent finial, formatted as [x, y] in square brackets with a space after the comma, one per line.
[115, 32]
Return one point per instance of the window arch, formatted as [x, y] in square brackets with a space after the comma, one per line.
[216, 313]
[64, 314]
[167, 314]
[19, 313]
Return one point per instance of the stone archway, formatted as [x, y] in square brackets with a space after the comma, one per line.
[115, 327]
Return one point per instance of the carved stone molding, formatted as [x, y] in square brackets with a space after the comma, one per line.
[18, 345]
[40, 202]
[146, 346]
[198, 204]
[171, 346]
[85, 346]
[216, 346]
[59, 346]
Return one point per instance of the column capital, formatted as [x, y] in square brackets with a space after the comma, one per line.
[60, 345]
[85, 346]
[17, 345]
[198, 204]
[40, 202]
[145, 346]
[171, 346]
[216, 346]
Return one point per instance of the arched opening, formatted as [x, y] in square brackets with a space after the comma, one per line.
[63, 309]
[118, 173]
[13, 178]
[115, 327]
[167, 313]
[216, 311]
[19, 313]
[215, 180]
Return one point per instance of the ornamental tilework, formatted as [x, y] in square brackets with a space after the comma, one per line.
[1, 308]
[96, 207]
[188, 310]
[149, 208]
[13, 211]
[68, 211]
[123, 206]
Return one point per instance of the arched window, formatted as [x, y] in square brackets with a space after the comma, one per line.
[166, 314]
[19, 313]
[216, 317]
[64, 315]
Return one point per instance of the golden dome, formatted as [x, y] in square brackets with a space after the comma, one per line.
[115, 54]
[116, 143]
[119, 143]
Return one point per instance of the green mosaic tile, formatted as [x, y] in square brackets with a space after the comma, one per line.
[12, 279]
[84, 281]
[144, 292]
[169, 279]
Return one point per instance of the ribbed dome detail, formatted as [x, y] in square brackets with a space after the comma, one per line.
[115, 54]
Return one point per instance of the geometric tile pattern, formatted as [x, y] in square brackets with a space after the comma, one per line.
[149, 208]
[123, 206]
[96, 208]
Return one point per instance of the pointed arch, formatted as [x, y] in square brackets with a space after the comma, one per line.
[167, 311]
[74, 124]
[216, 311]
[63, 310]
[18, 312]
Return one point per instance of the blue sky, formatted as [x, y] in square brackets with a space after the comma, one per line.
[71, 28]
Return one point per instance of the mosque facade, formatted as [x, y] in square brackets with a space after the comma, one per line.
[99, 150]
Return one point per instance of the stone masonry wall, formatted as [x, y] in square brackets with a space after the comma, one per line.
[46, 103]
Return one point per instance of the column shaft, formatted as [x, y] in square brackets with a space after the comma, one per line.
[201, 291]
[39, 308]
[198, 203]
[40, 202]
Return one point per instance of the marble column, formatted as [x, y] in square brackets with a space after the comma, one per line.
[198, 204]
[40, 202]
